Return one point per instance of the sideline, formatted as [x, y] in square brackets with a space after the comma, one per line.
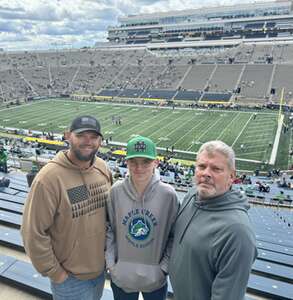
[277, 141]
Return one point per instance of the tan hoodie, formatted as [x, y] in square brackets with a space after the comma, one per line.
[64, 216]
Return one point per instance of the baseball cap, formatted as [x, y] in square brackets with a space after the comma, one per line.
[141, 147]
[85, 123]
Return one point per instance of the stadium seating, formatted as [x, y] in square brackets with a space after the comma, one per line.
[282, 79]
[131, 93]
[261, 53]
[12, 198]
[225, 78]
[47, 74]
[197, 77]
[255, 81]
[271, 275]
[188, 95]
[158, 94]
[126, 77]
[11, 237]
[216, 97]
[24, 275]
[109, 93]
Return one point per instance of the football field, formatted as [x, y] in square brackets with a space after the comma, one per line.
[251, 134]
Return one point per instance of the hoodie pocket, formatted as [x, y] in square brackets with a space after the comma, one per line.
[87, 256]
[137, 277]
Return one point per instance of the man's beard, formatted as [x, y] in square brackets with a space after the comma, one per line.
[82, 157]
[206, 194]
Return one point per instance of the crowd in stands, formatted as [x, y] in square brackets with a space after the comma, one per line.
[275, 184]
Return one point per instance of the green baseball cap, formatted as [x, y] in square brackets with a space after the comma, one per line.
[141, 147]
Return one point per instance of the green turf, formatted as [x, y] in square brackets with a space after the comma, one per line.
[186, 129]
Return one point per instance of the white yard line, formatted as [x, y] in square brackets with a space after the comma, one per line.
[254, 152]
[20, 106]
[191, 130]
[182, 125]
[145, 121]
[218, 137]
[254, 146]
[258, 140]
[261, 130]
[248, 160]
[162, 127]
[262, 136]
[204, 133]
[241, 131]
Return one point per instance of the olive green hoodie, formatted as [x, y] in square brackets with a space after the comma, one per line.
[64, 218]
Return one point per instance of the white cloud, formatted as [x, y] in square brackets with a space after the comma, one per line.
[39, 24]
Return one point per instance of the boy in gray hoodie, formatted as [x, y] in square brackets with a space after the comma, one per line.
[141, 212]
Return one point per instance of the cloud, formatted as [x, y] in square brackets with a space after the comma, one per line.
[4, 37]
[9, 27]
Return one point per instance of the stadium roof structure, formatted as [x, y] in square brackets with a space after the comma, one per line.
[260, 20]
[202, 11]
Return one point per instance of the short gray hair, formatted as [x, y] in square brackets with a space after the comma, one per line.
[219, 146]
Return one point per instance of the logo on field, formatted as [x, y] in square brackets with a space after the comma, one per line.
[139, 229]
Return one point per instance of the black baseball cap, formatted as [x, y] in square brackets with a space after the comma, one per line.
[86, 123]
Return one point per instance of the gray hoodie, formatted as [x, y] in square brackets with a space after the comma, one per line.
[214, 247]
[139, 234]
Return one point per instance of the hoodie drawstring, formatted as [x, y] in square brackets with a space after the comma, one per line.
[188, 223]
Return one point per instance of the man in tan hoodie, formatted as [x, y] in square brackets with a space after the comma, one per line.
[63, 225]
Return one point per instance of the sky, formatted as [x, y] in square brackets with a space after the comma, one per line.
[56, 24]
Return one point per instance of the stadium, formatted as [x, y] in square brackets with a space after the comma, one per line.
[181, 78]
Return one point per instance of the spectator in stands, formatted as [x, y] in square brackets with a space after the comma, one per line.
[284, 180]
[214, 245]
[245, 179]
[4, 182]
[277, 172]
[3, 159]
[117, 173]
[256, 172]
[263, 187]
[283, 183]
[141, 211]
[281, 197]
[64, 224]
